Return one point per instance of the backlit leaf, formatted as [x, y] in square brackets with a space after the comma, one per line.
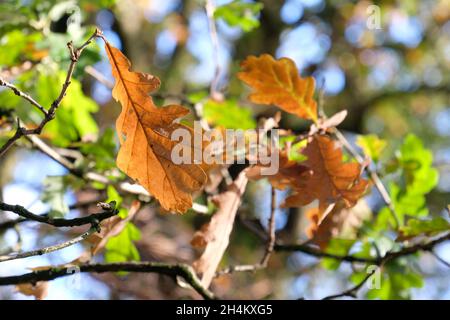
[278, 82]
[239, 13]
[330, 179]
[144, 132]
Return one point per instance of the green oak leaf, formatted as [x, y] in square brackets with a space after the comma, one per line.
[121, 248]
[415, 227]
[240, 14]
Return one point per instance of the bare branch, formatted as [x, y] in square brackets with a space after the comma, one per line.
[271, 239]
[391, 255]
[353, 291]
[14, 222]
[271, 232]
[93, 219]
[173, 270]
[49, 249]
[99, 77]
[313, 251]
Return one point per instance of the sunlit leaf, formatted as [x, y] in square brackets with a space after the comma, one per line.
[240, 14]
[278, 82]
[144, 132]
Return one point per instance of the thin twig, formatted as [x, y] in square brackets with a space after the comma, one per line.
[99, 77]
[271, 232]
[173, 270]
[353, 291]
[50, 114]
[23, 95]
[313, 251]
[271, 240]
[49, 249]
[444, 262]
[53, 154]
[316, 252]
[390, 255]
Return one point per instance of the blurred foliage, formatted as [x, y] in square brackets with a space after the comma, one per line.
[239, 13]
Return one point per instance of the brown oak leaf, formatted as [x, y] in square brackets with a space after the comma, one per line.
[144, 132]
[340, 222]
[278, 82]
[332, 180]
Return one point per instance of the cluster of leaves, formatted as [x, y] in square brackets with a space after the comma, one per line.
[314, 170]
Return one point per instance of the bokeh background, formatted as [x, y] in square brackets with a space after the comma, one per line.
[393, 80]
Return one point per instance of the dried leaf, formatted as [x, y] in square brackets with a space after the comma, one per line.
[216, 234]
[278, 82]
[340, 222]
[144, 132]
[331, 180]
